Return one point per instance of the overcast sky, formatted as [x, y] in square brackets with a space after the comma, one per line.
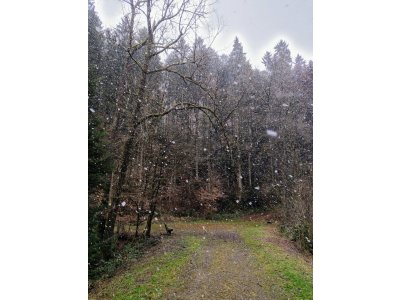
[259, 24]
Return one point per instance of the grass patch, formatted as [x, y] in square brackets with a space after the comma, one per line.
[152, 278]
[130, 252]
[281, 270]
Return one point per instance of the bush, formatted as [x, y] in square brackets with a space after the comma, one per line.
[101, 266]
[95, 254]
[303, 236]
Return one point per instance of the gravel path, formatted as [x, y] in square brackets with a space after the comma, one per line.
[223, 269]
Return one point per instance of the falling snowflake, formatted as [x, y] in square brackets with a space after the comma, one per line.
[257, 188]
[92, 110]
[123, 203]
[272, 133]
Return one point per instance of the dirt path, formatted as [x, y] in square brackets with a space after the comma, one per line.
[225, 265]
[223, 269]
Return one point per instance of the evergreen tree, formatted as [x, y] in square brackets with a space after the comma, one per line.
[99, 162]
[237, 62]
[99, 159]
[95, 45]
[99, 167]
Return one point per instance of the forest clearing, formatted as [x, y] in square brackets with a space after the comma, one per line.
[230, 259]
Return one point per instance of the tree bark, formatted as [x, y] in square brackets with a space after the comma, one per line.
[137, 220]
[239, 162]
[196, 156]
[249, 167]
[150, 218]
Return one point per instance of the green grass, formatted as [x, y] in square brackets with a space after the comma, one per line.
[291, 274]
[150, 279]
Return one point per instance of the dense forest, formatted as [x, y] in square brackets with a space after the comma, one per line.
[177, 129]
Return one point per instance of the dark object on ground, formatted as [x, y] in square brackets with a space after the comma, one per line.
[125, 236]
[167, 229]
[269, 222]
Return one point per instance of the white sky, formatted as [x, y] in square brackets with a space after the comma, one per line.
[259, 25]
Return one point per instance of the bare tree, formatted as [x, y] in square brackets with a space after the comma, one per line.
[167, 22]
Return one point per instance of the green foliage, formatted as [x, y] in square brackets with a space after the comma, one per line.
[100, 163]
[103, 268]
[251, 202]
[225, 216]
[98, 266]
[99, 166]
[95, 254]
[227, 204]
[301, 234]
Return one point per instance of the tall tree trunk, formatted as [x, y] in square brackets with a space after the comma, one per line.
[119, 187]
[249, 155]
[150, 218]
[249, 167]
[128, 148]
[137, 219]
[110, 192]
[209, 167]
[239, 177]
[239, 162]
[141, 165]
[209, 174]
[196, 145]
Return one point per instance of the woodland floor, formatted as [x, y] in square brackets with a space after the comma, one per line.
[232, 259]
